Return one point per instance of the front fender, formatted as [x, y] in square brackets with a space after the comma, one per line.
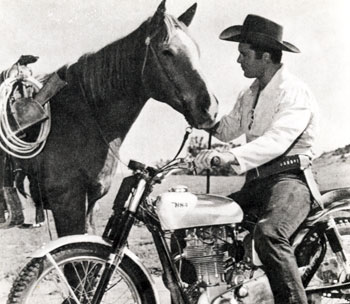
[78, 238]
[85, 238]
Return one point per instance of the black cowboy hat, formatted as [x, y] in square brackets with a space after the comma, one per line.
[259, 31]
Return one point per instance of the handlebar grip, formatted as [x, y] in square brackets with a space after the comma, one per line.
[215, 161]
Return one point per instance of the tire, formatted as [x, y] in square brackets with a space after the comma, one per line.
[40, 283]
[330, 272]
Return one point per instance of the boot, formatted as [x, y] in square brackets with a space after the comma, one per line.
[14, 206]
[3, 207]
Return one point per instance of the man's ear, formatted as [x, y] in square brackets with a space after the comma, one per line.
[266, 57]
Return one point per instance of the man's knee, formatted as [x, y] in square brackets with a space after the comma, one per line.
[265, 236]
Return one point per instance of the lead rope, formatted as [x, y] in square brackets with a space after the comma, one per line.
[187, 134]
[208, 170]
[42, 202]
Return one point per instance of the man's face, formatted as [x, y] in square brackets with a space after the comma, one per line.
[252, 67]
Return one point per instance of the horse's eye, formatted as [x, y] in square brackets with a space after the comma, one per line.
[168, 52]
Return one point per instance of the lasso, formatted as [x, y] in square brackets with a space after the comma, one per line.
[10, 141]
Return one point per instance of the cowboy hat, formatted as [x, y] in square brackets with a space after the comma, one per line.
[259, 31]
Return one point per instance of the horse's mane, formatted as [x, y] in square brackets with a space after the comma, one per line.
[116, 68]
[110, 69]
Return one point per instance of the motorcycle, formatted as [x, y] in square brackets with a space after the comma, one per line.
[215, 246]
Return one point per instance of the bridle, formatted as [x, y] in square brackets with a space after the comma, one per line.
[149, 47]
[170, 78]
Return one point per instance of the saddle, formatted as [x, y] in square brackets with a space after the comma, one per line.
[24, 112]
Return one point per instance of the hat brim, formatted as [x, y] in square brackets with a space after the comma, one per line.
[234, 33]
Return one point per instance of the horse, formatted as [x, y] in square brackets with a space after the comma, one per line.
[105, 92]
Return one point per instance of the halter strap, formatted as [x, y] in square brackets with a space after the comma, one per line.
[148, 43]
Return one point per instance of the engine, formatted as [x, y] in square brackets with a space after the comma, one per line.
[207, 250]
[222, 259]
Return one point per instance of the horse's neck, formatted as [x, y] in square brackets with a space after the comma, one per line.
[112, 83]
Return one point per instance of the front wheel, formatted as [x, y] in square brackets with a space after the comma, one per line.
[73, 274]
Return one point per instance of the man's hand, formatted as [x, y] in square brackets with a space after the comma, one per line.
[204, 159]
[20, 68]
[19, 71]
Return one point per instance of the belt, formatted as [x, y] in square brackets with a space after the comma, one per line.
[279, 165]
[285, 164]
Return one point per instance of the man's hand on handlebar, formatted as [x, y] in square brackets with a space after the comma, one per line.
[207, 159]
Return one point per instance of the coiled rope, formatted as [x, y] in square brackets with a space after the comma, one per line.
[10, 140]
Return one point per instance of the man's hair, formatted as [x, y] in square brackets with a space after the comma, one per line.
[276, 55]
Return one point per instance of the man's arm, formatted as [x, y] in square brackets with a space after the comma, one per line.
[230, 126]
[289, 123]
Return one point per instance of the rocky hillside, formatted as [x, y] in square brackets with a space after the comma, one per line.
[332, 169]
[340, 155]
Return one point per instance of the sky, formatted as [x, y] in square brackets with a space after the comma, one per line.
[59, 32]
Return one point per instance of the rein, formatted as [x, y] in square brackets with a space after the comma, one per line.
[104, 139]
[148, 43]
[149, 47]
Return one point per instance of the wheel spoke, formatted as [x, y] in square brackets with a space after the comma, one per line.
[62, 276]
[74, 280]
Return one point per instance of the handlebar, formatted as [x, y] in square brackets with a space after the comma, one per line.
[160, 173]
[179, 163]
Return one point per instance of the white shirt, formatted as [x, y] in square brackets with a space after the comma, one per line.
[285, 120]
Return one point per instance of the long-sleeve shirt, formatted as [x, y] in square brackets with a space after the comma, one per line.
[284, 121]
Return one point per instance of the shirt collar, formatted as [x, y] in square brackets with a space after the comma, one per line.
[273, 83]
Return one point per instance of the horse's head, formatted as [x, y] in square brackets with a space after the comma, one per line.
[171, 69]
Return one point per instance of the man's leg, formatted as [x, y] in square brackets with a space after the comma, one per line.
[286, 205]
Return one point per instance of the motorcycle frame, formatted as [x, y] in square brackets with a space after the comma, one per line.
[129, 208]
[133, 210]
[118, 229]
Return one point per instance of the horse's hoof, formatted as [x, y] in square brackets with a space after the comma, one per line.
[31, 226]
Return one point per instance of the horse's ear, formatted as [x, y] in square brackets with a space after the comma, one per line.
[159, 14]
[161, 7]
[187, 16]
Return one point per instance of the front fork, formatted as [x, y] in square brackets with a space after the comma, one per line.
[123, 228]
[335, 240]
[115, 257]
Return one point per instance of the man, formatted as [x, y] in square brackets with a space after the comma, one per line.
[278, 116]
[8, 193]
[27, 113]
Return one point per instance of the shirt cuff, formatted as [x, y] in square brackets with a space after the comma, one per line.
[240, 168]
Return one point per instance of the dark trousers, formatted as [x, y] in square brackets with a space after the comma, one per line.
[280, 203]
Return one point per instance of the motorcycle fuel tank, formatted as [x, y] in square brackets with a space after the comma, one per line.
[180, 209]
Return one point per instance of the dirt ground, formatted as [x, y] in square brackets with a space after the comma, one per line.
[18, 244]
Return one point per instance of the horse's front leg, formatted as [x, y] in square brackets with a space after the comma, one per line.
[68, 205]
